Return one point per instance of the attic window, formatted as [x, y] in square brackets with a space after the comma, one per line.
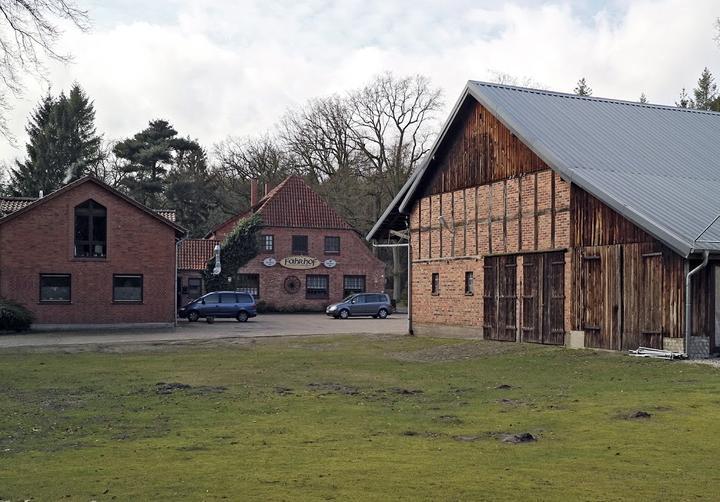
[90, 230]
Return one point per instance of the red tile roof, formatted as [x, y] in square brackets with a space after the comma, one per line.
[293, 204]
[193, 254]
[11, 204]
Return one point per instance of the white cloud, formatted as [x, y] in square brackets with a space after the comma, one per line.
[233, 67]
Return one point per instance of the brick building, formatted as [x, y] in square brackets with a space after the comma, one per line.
[87, 254]
[308, 255]
[553, 218]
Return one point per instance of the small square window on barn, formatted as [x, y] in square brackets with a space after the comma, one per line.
[317, 286]
[268, 243]
[469, 283]
[249, 283]
[300, 244]
[55, 288]
[435, 283]
[128, 288]
[332, 245]
[353, 284]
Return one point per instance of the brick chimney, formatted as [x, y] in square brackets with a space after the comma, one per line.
[253, 192]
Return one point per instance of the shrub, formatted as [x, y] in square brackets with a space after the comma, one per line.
[14, 317]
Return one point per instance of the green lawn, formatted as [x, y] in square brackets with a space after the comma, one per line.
[355, 418]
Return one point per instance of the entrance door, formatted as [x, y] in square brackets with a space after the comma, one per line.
[500, 298]
[543, 299]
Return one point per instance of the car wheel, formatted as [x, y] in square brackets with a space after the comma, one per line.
[344, 314]
[193, 316]
[382, 313]
[242, 316]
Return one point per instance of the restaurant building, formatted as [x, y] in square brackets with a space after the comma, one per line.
[87, 255]
[561, 219]
[308, 255]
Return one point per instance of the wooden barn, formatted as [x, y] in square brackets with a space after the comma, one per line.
[559, 219]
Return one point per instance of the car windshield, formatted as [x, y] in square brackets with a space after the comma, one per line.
[347, 300]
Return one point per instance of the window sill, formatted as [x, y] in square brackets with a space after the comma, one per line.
[54, 302]
[335, 253]
[469, 294]
[127, 302]
[89, 258]
[435, 294]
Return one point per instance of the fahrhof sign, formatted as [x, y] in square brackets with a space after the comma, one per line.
[300, 262]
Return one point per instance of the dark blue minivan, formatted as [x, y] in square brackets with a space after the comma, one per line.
[241, 306]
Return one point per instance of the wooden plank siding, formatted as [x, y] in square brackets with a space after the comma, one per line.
[478, 150]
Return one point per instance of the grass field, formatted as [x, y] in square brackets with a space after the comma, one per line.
[355, 418]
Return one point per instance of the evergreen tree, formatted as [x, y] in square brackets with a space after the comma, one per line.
[643, 98]
[192, 190]
[63, 146]
[582, 89]
[39, 172]
[706, 96]
[685, 100]
[149, 156]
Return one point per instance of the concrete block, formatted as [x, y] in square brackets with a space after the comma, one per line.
[674, 344]
[699, 347]
[575, 340]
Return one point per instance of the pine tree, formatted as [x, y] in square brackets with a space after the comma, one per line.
[191, 189]
[706, 96]
[685, 100]
[63, 145]
[643, 98]
[148, 156]
[582, 89]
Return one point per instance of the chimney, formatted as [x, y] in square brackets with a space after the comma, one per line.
[266, 190]
[253, 192]
[42, 194]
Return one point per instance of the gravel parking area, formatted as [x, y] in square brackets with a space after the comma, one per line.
[264, 325]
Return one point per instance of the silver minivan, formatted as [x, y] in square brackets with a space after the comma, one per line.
[362, 304]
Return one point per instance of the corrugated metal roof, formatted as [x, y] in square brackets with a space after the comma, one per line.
[659, 166]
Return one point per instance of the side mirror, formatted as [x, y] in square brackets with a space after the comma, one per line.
[203, 302]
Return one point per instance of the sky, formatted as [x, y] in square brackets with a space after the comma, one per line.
[216, 68]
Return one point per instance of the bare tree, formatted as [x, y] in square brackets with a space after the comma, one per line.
[238, 160]
[319, 137]
[28, 36]
[393, 126]
[500, 77]
[109, 168]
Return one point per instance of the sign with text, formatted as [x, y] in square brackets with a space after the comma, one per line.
[300, 262]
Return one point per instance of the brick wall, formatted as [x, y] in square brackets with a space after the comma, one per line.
[530, 213]
[41, 241]
[354, 259]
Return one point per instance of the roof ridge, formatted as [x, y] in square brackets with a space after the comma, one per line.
[568, 95]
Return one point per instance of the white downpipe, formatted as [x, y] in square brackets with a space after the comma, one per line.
[688, 299]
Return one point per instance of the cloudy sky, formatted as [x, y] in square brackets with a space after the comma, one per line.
[232, 67]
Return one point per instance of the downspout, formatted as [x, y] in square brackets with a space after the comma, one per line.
[175, 285]
[409, 277]
[688, 299]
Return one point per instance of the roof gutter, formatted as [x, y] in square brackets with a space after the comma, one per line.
[688, 299]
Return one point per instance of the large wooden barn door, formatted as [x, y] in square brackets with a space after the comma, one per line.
[643, 296]
[600, 293]
[543, 312]
[500, 298]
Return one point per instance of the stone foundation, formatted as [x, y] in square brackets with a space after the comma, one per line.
[445, 331]
[575, 340]
[674, 344]
[699, 347]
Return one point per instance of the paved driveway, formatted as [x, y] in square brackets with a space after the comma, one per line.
[262, 326]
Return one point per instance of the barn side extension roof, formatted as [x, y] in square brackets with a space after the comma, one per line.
[658, 166]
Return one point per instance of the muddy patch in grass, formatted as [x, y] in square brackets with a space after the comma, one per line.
[638, 415]
[523, 437]
[449, 419]
[164, 389]
[333, 388]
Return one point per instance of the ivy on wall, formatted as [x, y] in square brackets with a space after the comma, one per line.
[239, 247]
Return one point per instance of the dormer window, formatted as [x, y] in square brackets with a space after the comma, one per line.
[90, 230]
